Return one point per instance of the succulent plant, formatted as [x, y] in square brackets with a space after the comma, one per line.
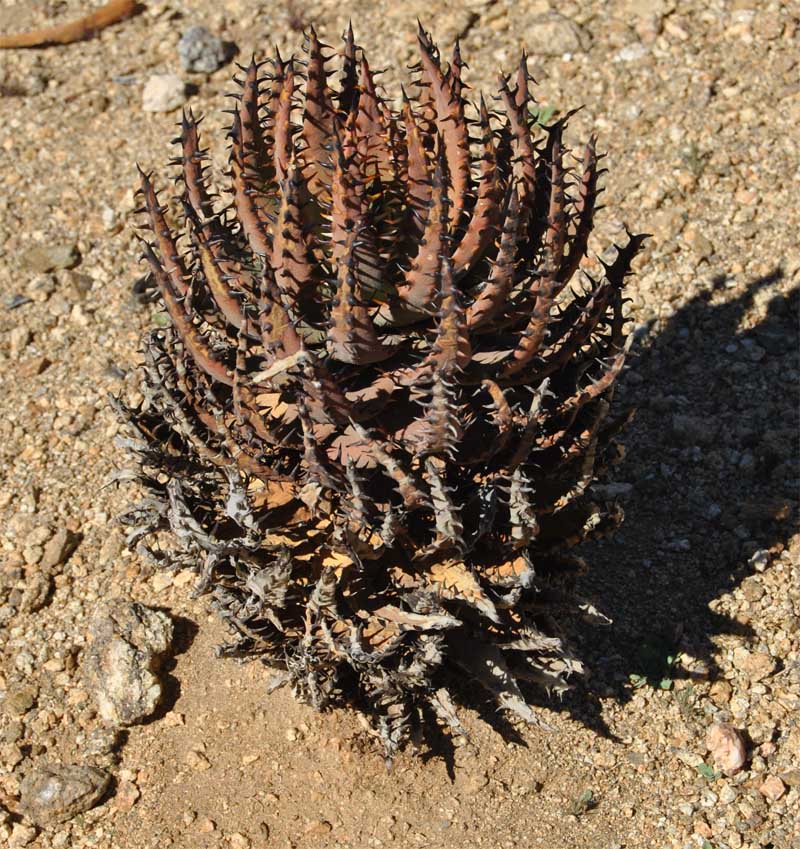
[381, 395]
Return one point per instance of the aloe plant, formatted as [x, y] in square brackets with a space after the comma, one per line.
[382, 393]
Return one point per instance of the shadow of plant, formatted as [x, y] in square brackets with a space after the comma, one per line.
[709, 479]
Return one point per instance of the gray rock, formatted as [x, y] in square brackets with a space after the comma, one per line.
[163, 93]
[201, 51]
[102, 741]
[122, 663]
[694, 430]
[43, 258]
[552, 34]
[54, 793]
[760, 559]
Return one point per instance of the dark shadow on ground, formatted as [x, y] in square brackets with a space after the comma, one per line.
[184, 631]
[712, 462]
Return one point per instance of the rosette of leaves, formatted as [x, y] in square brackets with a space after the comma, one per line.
[381, 395]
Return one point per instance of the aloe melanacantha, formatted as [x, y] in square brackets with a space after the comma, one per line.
[382, 390]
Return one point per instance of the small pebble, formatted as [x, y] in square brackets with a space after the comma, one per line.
[162, 580]
[163, 93]
[102, 741]
[318, 828]
[757, 665]
[58, 549]
[759, 560]
[791, 777]
[773, 788]
[126, 796]
[19, 702]
[201, 51]
[21, 835]
[198, 761]
[632, 52]
[19, 339]
[726, 747]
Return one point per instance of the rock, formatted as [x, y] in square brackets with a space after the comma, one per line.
[58, 549]
[239, 841]
[791, 777]
[201, 51]
[726, 747]
[53, 794]
[699, 242]
[632, 52]
[645, 8]
[472, 783]
[126, 796]
[720, 692]
[206, 825]
[162, 580]
[11, 756]
[198, 761]
[43, 258]
[110, 220]
[667, 225]
[33, 367]
[772, 336]
[19, 339]
[122, 662]
[773, 788]
[102, 741]
[21, 835]
[760, 559]
[752, 591]
[695, 430]
[40, 287]
[37, 592]
[757, 665]
[19, 702]
[318, 828]
[552, 34]
[163, 93]
[648, 18]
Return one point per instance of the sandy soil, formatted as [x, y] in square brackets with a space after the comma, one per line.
[697, 105]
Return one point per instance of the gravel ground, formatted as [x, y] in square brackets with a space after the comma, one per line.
[697, 105]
